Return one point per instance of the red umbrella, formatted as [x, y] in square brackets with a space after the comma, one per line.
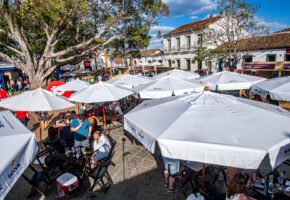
[53, 84]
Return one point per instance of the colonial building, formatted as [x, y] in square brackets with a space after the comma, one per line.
[152, 57]
[180, 44]
[267, 56]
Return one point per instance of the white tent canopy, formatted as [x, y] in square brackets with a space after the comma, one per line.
[17, 149]
[36, 100]
[129, 81]
[178, 74]
[229, 81]
[213, 128]
[277, 88]
[74, 85]
[165, 86]
[100, 92]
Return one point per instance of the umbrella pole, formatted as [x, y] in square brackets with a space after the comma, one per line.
[104, 119]
[203, 176]
[40, 134]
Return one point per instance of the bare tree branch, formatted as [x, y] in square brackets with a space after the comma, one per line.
[86, 43]
[12, 49]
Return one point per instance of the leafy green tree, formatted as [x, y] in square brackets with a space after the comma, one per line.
[238, 22]
[38, 36]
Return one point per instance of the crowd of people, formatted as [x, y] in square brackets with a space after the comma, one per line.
[12, 86]
[85, 129]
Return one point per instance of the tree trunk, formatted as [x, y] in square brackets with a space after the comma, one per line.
[36, 80]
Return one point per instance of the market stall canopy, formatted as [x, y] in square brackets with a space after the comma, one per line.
[213, 128]
[17, 149]
[35, 101]
[178, 74]
[129, 81]
[53, 84]
[100, 92]
[167, 86]
[226, 80]
[74, 85]
[83, 72]
[277, 88]
[68, 74]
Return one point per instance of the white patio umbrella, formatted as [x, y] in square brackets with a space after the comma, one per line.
[17, 149]
[178, 74]
[129, 81]
[166, 86]
[277, 88]
[100, 92]
[213, 128]
[229, 81]
[35, 101]
[74, 85]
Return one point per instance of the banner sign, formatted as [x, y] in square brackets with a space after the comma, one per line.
[148, 68]
[286, 66]
[137, 68]
[259, 66]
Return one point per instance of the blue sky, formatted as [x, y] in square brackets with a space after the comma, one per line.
[272, 13]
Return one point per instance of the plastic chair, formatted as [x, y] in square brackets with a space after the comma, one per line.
[101, 175]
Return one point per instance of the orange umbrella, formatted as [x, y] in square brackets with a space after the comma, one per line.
[53, 84]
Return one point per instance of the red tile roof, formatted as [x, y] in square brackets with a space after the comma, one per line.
[273, 41]
[194, 25]
[284, 30]
[150, 52]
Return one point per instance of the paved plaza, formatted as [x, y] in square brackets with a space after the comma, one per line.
[136, 176]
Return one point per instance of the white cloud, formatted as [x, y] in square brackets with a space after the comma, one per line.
[194, 17]
[273, 26]
[156, 42]
[186, 7]
[161, 28]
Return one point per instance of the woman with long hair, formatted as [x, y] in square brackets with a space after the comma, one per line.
[238, 187]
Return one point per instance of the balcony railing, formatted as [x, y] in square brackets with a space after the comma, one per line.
[179, 49]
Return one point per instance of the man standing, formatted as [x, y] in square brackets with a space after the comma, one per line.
[171, 171]
[81, 128]
[22, 116]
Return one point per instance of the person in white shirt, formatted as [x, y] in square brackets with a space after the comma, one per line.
[102, 146]
[118, 109]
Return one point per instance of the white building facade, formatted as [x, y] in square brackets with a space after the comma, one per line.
[181, 43]
[149, 57]
[267, 56]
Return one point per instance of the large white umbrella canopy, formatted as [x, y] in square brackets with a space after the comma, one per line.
[178, 74]
[226, 80]
[165, 86]
[100, 92]
[35, 101]
[17, 149]
[277, 88]
[74, 85]
[213, 128]
[129, 81]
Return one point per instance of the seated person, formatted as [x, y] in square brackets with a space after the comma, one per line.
[102, 146]
[101, 109]
[117, 109]
[238, 187]
[53, 141]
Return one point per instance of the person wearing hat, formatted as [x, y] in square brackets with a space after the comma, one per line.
[81, 129]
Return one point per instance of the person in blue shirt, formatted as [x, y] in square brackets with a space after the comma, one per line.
[81, 129]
